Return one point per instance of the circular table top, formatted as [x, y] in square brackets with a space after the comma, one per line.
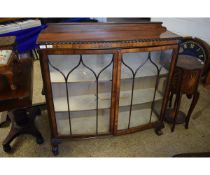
[189, 62]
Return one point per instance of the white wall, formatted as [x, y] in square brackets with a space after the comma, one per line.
[196, 27]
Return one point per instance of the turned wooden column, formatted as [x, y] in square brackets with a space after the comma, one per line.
[185, 82]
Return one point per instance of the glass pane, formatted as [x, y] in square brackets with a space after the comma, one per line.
[78, 119]
[62, 121]
[81, 87]
[142, 85]
[66, 63]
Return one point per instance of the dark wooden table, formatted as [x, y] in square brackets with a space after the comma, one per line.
[185, 82]
[18, 103]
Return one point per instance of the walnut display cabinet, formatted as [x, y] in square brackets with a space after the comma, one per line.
[106, 78]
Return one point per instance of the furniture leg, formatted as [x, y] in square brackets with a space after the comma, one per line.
[176, 109]
[11, 136]
[170, 99]
[31, 128]
[23, 123]
[34, 132]
[55, 149]
[192, 106]
[55, 146]
[158, 130]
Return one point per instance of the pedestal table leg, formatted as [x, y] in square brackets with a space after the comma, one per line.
[192, 106]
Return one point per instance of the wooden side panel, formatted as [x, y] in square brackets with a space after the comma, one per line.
[48, 92]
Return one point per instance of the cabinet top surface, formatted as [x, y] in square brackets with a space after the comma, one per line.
[105, 32]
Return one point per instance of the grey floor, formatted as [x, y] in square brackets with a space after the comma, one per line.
[140, 144]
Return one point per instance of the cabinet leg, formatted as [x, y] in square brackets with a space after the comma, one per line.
[55, 146]
[192, 106]
[55, 149]
[39, 140]
[158, 129]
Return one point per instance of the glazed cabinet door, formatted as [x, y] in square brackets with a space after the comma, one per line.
[81, 85]
[142, 79]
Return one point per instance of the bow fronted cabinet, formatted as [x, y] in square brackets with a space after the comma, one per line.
[106, 78]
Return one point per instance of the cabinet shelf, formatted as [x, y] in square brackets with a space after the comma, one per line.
[88, 102]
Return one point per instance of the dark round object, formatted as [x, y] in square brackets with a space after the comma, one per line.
[7, 148]
[198, 50]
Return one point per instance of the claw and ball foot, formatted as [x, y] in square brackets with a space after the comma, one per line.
[55, 150]
[39, 140]
[7, 148]
[159, 132]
